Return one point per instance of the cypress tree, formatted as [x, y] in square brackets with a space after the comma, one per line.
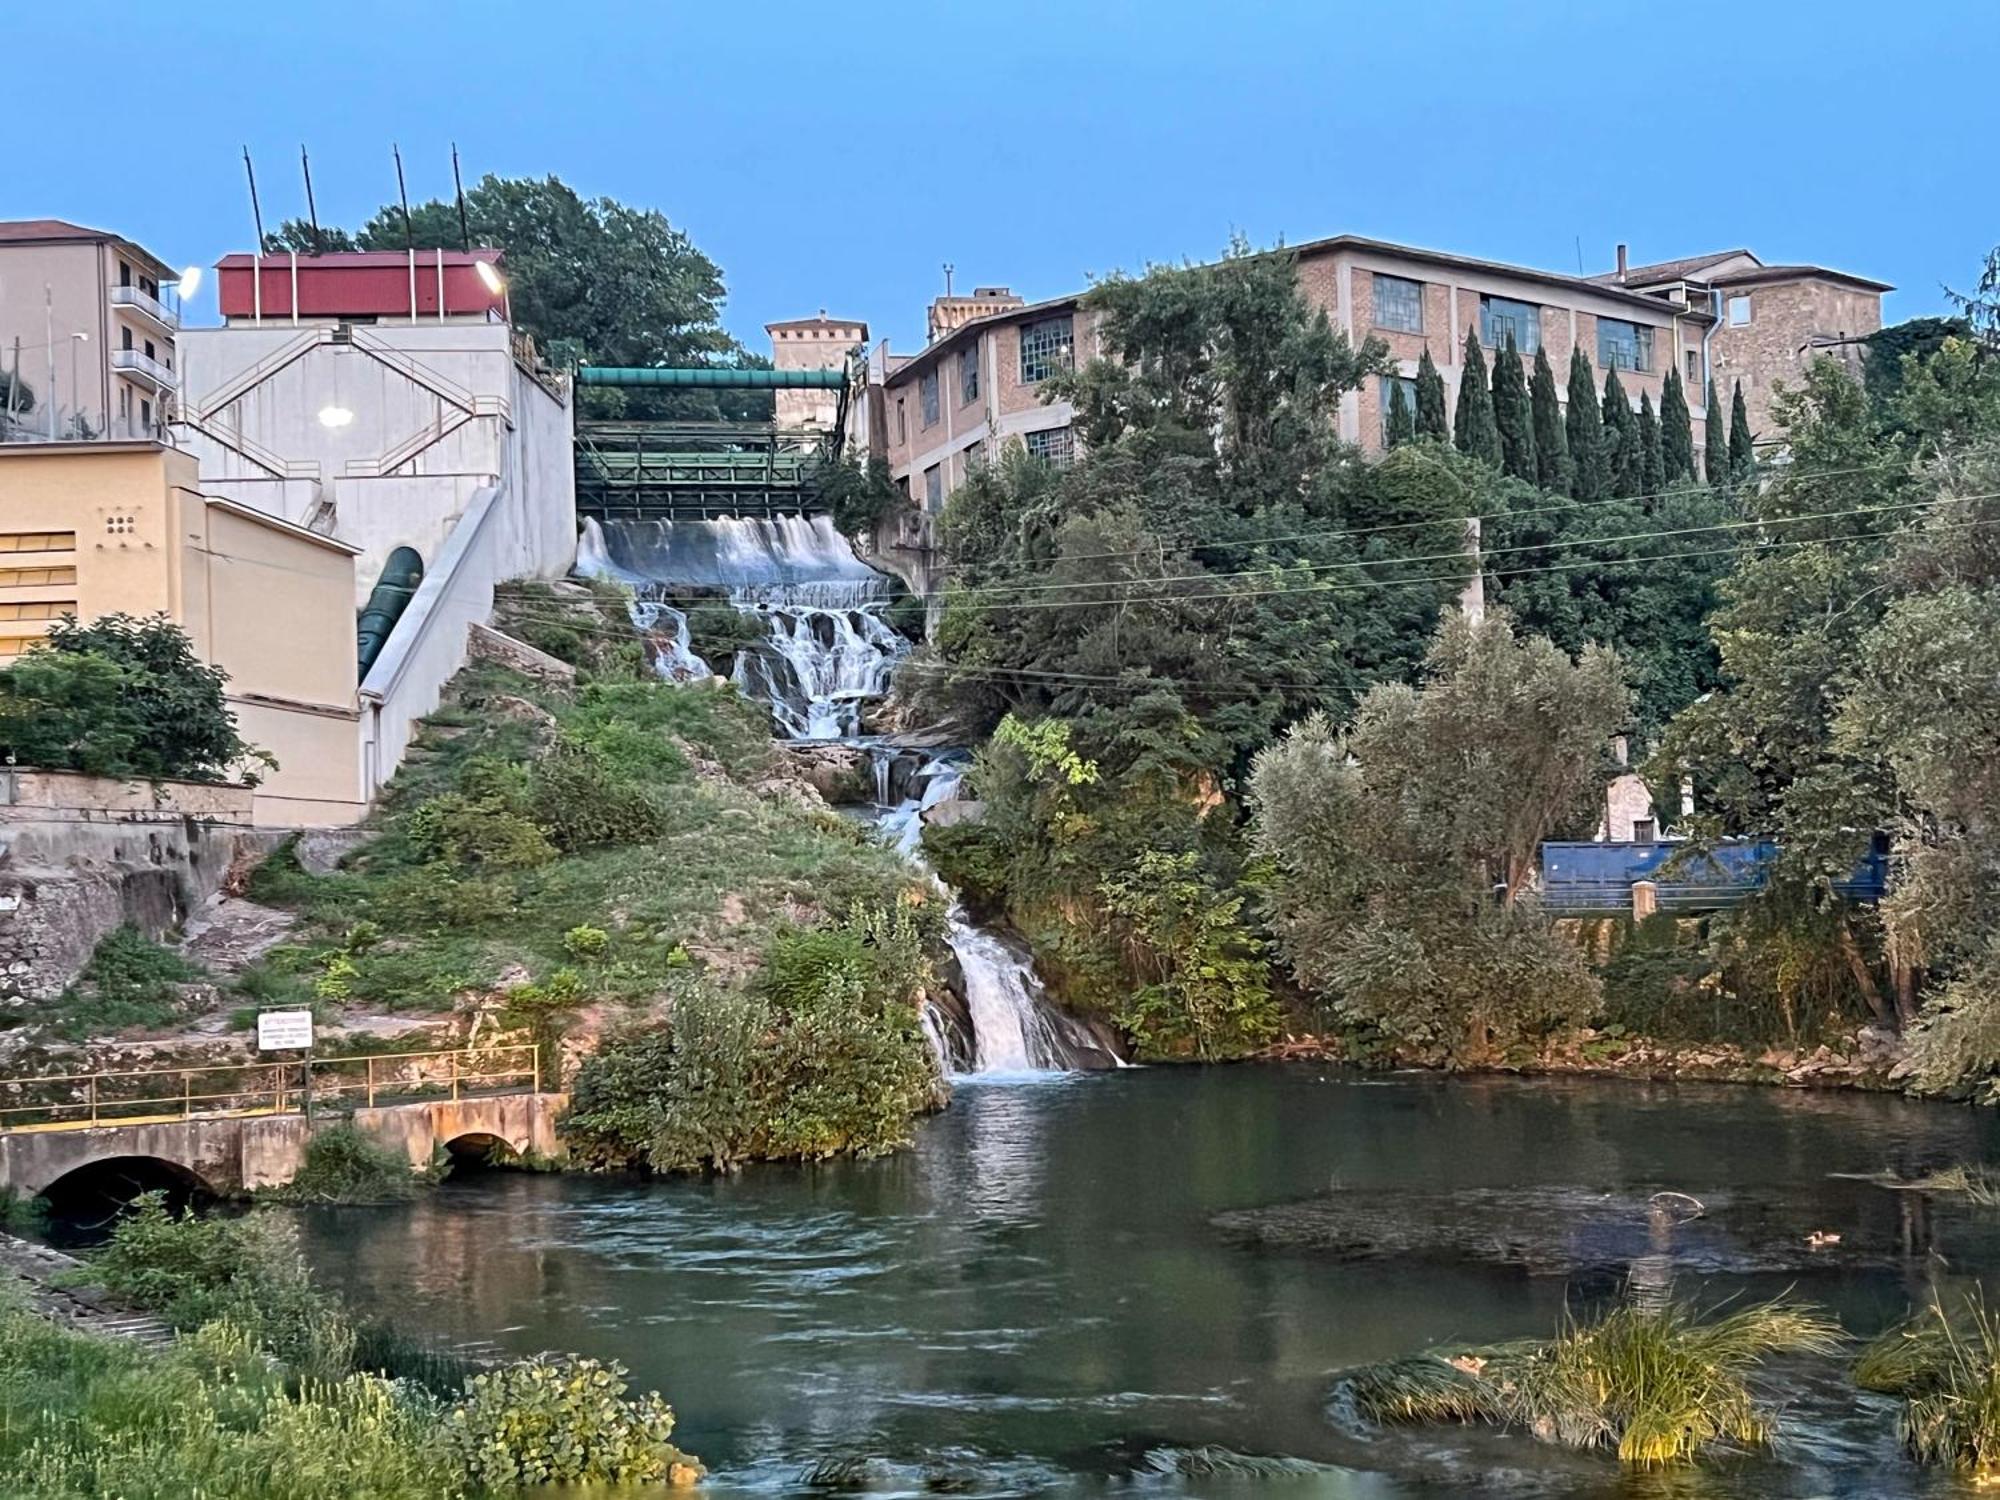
[1513, 417]
[1742, 453]
[1621, 437]
[1585, 432]
[1652, 460]
[1676, 431]
[1431, 420]
[1714, 442]
[1402, 421]
[1472, 424]
[1551, 444]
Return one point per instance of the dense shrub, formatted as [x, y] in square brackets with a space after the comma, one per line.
[130, 981]
[558, 1421]
[247, 1271]
[120, 697]
[581, 801]
[346, 1165]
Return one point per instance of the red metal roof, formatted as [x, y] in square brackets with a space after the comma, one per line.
[359, 284]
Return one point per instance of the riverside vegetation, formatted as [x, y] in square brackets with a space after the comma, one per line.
[272, 1393]
[1248, 771]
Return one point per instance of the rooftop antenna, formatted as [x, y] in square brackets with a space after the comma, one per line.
[256, 213]
[1579, 255]
[312, 209]
[402, 192]
[458, 184]
[948, 269]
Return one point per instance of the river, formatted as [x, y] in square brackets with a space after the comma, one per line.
[1037, 1298]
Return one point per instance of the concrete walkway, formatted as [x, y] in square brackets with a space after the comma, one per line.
[40, 1270]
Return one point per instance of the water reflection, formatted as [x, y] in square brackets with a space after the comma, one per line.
[1038, 1298]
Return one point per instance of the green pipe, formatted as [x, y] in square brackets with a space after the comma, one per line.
[392, 594]
[713, 379]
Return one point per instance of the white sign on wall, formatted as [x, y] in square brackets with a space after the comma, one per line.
[281, 1029]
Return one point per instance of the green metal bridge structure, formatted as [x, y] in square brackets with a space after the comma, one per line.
[684, 470]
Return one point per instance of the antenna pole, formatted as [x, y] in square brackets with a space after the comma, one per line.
[256, 213]
[312, 209]
[458, 185]
[948, 269]
[409, 234]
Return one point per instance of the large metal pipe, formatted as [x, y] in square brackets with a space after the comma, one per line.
[391, 596]
[713, 379]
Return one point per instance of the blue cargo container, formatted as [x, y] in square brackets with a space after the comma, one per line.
[1581, 878]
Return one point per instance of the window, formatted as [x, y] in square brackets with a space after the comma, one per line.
[1399, 304]
[149, 350]
[146, 415]
[53, 609]
[1645, 830]
[975, 458]
[1739, 310]
[1624, 346]
[38, 541]
[902, 422]
[124, 273]
[933, 488]
[927, 397]
[1390, 383]
[1694, 367]
[35, 578]
[1047, 348]
[1054, 445]
[1500, 318]
[968, 374]
[125, 338]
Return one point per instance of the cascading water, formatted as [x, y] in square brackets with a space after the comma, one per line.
[826, 651]
[826, 648]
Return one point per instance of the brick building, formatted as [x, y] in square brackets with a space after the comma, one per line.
[820, 343]
[976, 385]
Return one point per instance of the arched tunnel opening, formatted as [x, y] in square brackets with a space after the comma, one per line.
[82, 1205]
[478, 1151]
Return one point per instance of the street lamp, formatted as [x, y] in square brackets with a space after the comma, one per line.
[76, 382]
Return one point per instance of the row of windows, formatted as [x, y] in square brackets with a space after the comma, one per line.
[1048, 347]
[1053, 445]
[37, 541]
[1399, 307]
[53, 610]
[23, 578]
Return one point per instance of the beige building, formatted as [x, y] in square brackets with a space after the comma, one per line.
[89, 529]
[1770, 320]
[95, 339]
[977, 384]
[820, 343]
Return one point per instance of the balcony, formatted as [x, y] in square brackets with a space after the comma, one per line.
[142, 367]
[147, 306]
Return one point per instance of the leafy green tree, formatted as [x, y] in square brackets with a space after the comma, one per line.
[1432, 422]
[1882, 365]
[1715, 442]
[1513, 415]
[121, 697]
[1472, 424]
[594, 280]
[1621, 438]
[1742, 449]
[1402, 421]
[1676, 430]
[1399, 849]
[1652, 462]
[1587, 445]
[1552, 462]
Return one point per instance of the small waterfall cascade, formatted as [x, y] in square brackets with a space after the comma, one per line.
[826, 648]
[826, 651]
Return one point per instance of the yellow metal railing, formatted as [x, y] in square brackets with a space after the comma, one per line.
[132, 1096]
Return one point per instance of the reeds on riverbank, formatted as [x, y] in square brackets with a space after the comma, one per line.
[1944, 1363]
[1656, 1385]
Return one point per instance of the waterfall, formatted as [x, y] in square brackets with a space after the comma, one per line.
[827, 650]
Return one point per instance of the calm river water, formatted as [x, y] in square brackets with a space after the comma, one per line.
[1039, 1299]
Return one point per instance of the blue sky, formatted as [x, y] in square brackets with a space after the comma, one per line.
[837, 155]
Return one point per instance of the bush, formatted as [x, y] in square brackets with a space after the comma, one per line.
[247, 1271]
[130, 981]
[346, 1165]
[583, 805]
[584, 942]
[556, 1421]
[120, 697]
[1944, 1364]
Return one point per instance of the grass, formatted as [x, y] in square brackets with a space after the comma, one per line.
[130, 982]
[1944, 1364]
[343, 1164]
[1656, 1386]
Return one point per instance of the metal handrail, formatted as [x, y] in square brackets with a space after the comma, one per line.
[287, 1087]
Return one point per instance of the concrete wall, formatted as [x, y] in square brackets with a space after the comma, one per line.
[80, 855]
[1772, 347]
